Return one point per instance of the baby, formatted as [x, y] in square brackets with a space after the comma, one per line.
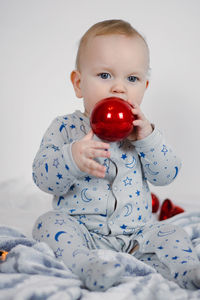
[101, 198]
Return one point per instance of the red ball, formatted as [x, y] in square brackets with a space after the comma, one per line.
[169, 209]
[155, 203]
[112, 119]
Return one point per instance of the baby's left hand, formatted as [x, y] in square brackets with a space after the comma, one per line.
[142, 126]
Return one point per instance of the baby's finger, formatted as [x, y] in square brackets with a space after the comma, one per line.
[95, 168]
[137, 112]
[93, 153]
[138, 123]
[99, 145]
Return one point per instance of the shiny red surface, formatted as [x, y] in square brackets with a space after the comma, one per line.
[155, 203]
[168, 210]
[112, 119]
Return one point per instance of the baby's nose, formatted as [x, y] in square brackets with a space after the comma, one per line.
[118, 87]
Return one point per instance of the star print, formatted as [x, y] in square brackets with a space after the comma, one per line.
[60, 222]
[88, 178]
[124, 156]
[142, 154]
[55, 148]
[137, 193]
[127, 181]
[164, 150]
[123, 226]
[72, 126]
[59, 252]
[59, 176]
[71, 187]
[55, 162]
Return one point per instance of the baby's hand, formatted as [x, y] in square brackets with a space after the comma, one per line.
[142, 127]
[85, 150]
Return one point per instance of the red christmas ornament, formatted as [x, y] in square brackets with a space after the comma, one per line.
[168, 210]
[112, 119]
[155, 203]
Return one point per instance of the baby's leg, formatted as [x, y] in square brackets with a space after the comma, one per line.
[72, 243]
[173, 248]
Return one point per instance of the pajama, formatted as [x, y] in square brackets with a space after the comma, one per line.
[113, 212]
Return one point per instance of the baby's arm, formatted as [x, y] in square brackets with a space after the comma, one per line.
[52, 172]
[160, 163]
[60, 161]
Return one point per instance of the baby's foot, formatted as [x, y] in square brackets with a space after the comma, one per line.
[99, 275]
[189, 279]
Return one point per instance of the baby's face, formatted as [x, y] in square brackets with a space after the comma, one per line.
[112, 66]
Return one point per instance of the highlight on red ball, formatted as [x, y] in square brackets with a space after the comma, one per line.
[112, 119]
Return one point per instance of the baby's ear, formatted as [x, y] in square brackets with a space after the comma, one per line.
[76, 80]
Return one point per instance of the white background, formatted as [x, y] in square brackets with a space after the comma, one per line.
[38, 43]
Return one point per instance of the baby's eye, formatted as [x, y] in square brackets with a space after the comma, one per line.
[132, 78]
[104, 75]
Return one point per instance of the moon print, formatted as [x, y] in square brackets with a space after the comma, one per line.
[129, 209]
[80, 251]
[147, 166]
[131, 164]
[82, 128]
[58, 234]
[176, 172]
[84, 196]
[165, 233]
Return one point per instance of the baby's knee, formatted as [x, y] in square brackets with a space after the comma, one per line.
[52, 222]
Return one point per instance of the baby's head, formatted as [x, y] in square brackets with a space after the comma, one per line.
[112, 61]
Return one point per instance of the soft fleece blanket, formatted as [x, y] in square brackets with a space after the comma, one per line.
[31, 271]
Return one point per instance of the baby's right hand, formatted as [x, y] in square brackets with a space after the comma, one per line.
[85, 150]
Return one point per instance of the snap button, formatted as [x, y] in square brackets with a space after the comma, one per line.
[115, 188]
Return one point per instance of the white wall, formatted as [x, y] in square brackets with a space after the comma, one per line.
[38, 41]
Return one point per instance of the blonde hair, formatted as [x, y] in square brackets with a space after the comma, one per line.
[105, 28]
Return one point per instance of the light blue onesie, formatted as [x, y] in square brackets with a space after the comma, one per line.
[115, 212]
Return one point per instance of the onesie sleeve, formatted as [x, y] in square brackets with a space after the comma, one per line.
[159, 162]
[54, 170]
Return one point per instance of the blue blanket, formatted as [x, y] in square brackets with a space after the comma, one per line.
[31, 271]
